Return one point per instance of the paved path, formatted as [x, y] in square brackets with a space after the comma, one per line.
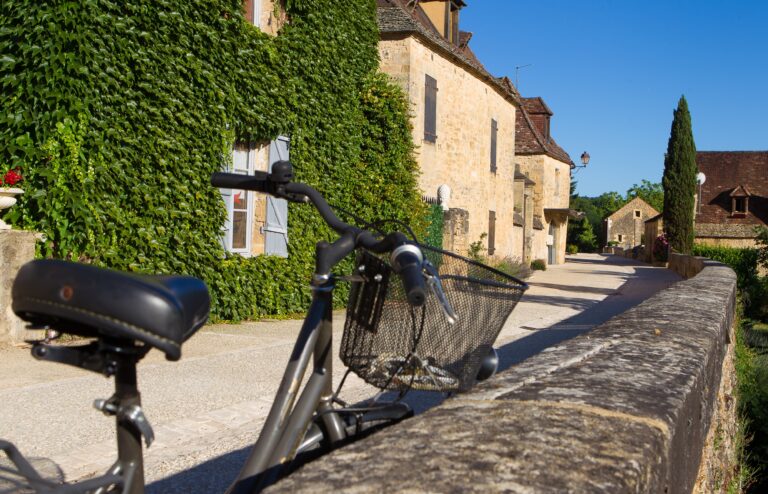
[207, 408]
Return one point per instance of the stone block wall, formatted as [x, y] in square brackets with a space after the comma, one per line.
[460, 157]
[456, 230]
[626, 407]
[16, 248]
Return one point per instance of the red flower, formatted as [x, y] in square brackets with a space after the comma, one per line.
[12, 177]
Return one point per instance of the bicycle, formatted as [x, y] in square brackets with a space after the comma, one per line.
[407, 327]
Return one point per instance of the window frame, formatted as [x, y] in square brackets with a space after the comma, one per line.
[250, 159]
[739, 201]
[255, 19]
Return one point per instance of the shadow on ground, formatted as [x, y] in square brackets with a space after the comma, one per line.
[213, 476]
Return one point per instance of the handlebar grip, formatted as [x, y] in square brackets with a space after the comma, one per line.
[407, 261]
[258, 182]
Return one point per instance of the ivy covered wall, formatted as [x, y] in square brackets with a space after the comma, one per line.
[117, 113]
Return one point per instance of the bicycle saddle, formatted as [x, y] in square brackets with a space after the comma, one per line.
[161, 311]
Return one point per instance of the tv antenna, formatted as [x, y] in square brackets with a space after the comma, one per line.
[517, 69]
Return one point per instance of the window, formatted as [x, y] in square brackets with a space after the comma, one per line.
[253, 12]
[237, 229]
[494, 137]
[739, 205]
[557, 182]
[491, 232]
[621, 237]
[637, 213]
[430, 109]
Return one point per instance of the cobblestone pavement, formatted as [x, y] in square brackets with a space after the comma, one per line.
[208, 407]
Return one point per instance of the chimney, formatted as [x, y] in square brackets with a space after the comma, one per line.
[540, 114]
[444, 15]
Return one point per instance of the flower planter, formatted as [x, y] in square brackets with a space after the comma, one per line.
[8, 199]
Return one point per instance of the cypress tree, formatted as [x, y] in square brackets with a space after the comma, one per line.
[679, 181]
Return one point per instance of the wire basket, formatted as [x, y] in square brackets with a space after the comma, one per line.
[394, 346]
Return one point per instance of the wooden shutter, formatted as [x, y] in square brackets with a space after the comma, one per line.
[430, 109]
[276, 227]
[491, 232]
[494, 133]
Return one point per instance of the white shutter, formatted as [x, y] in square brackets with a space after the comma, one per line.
[276, 227]
[226, 229]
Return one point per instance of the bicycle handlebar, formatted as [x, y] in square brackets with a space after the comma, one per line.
[406, 258]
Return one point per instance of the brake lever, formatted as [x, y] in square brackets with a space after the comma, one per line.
[434, 283]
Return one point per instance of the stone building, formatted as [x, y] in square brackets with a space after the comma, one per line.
[733, 198]
[463, 119]
[547, 167]
[626, 227]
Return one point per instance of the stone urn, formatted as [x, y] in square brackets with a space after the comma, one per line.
[7, 199]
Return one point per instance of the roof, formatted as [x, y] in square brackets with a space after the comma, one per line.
[741, 191]
[399, 18]
[528, 138]
[635, 203]
[571, 213]
[522, 176]
[733, 174]
[536, 106]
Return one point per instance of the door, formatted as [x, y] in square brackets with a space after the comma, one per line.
[551, 253]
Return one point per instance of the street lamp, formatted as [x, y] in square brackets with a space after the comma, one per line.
[584, 160]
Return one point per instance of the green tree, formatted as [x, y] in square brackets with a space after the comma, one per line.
[652, 193]
[585, 237]
[679, 181]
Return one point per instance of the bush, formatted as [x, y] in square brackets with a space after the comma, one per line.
[661, 248]
[538, 265]
[744, 262]
[572, 249]
[513, 267]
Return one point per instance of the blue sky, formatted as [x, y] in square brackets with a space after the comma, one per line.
[612, 72]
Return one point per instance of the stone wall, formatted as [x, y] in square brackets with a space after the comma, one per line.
[456, 230]
[551, 191]
[726, 235]
[626, 407]
[16, 248]
[460, 157]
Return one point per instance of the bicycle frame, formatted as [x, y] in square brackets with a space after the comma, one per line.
[289, 418]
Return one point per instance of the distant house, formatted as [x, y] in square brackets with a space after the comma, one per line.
[626, 227]
[548, 168]
[463, 120]
[733, 198]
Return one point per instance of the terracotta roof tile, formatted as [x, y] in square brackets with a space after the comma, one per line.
[528, 139]
[725, 172]
[741, 191]
[536, 106]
